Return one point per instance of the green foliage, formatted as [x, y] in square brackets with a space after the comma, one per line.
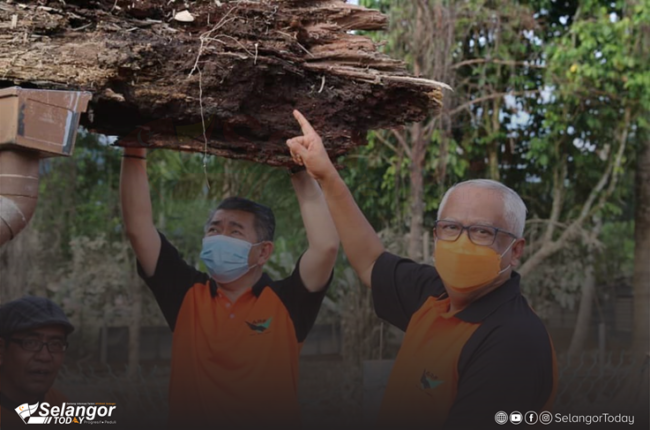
[79, 195]
[591, 65]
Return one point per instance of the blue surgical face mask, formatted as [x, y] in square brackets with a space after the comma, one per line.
[226, 257]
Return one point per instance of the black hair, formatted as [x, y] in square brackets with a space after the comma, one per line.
[264, 218]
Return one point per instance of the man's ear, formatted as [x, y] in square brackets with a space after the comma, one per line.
[517, 251]
[265, 252]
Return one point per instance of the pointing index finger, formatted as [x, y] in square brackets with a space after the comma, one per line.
[304, 124]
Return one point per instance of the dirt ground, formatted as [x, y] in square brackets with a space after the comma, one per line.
[330, 392]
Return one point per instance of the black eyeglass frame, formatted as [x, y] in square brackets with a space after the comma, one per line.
[22, 341]
[462, 228]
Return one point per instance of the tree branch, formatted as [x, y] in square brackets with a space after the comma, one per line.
[588, 209]
[546, 221]
[490, 97]
[558, 198]
[616, 169]
[430, 127]
[402, 141]
[496, 61]
[385, 141]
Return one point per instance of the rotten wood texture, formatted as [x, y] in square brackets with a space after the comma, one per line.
[231, 77]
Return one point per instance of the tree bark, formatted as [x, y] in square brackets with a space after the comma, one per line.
[418, 153]
[495, 145]
[642, 253]
[581, 329]
[635, 392]
[224, 84]
[16, 258]
[583, 321]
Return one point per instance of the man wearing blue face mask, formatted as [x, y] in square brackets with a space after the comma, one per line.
[236, 332]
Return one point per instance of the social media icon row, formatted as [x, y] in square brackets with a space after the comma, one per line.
[530, 417]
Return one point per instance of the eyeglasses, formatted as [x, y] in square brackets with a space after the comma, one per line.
[482, 235]
[35, 345]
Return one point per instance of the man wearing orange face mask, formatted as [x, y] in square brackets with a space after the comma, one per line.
[473, 347]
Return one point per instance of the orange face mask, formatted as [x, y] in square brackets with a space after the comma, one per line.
[465, 266]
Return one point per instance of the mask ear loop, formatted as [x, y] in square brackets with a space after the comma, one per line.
[252, 245]
[504, 253]
[508, 248]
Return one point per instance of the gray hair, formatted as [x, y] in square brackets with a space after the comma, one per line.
[514, 206]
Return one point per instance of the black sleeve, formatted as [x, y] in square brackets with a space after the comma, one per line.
[302, 304]
[171, 281]
[503, 367]
[401, 286]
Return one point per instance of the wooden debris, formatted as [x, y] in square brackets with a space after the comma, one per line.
[158, 74]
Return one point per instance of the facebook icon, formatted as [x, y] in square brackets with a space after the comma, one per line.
[530, 417]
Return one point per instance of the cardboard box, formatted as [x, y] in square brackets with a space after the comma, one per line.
[44, 121]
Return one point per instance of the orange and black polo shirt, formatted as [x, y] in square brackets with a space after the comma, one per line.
[457, 370]
[234, 365]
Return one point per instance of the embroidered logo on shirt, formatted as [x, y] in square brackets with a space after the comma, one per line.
[429, 381]
[259, 326]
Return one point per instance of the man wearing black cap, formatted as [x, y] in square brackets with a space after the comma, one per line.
[33, 340]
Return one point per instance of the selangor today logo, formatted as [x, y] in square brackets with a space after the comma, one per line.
[68, 413]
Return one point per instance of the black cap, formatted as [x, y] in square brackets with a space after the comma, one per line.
[31, 312]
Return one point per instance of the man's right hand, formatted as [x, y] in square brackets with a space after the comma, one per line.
[308, 150]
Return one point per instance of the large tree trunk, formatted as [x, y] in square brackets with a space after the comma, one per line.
[635, 392]
[583, 322]
[432, 44]
[225, 83]
[418, 153]
[494, 147]
[642, 253]
[16, 258]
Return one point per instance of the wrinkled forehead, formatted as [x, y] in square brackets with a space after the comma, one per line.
[243, 218]
[474, 205]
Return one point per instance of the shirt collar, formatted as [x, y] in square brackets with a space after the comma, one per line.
[264, 281]
[479, 310]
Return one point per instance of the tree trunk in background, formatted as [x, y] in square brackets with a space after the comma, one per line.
[418, 153]
[583, 321]
[16, 258]
[432, 46]
[494, 147]
[635, 392]
[642, 253]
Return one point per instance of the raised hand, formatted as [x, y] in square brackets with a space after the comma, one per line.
[308, 150]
